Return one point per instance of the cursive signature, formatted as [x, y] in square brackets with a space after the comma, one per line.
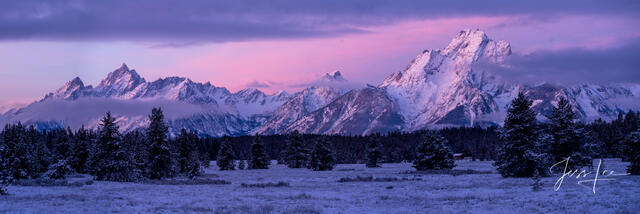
[581, 175]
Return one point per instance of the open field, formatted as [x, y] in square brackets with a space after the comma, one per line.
[394, 188]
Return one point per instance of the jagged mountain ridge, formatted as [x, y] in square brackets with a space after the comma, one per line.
[442, 88]
[438, 88]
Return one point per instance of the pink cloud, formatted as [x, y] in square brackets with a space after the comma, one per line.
[367, 57]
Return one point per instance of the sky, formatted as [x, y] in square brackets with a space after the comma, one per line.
[281, 45]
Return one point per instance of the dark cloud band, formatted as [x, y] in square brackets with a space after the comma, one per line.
[187, 22]
[617, 64]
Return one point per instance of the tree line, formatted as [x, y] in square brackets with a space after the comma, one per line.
[522, 147]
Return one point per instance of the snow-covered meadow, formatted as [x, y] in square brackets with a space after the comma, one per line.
[395, 188]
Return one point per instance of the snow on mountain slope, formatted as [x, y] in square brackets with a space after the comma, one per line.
[195, 106]
[440, 87]
[322, 92]
[359, 111]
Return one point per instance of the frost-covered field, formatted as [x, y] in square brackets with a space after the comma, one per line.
[320, 192]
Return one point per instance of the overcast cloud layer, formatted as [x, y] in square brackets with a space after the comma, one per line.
[617, 64]
[176, 23]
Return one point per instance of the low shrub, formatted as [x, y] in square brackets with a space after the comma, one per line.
[270, 184]
[372, 179]
[197, 181]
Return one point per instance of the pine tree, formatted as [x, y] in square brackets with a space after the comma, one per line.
[185, 146]
[258, 159]
[295, 154]
[521, 154]
[111, 159]
[80, 150]
[59, 170]
[193, 167]
[433, 153]
[633, 152]
[20, 157]
[373, 152]
[160, 163]
[567, 137]
[188, 155]
[41, 157]
[241, 164]
[136, 143]
[322, 157]
[63, 144]
[5, 178]
[225, 159]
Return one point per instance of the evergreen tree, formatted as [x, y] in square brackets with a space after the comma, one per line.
[258, 159]
[186, 146]
[5, 178]
[295, 154]
[225, 159]
[241, 164]
[521, 153]
[136, 143]
[193, 167]
[322, 157]
[188, 156]
[41, 156]
[633, 152]
[567, 137]
[59, 170]
[20, 157]
[433, 153]
[63, 144]
[111, 159]
[373, 152]
[160, 163]
[80, 150]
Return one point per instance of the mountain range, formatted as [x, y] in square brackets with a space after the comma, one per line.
[438, 88]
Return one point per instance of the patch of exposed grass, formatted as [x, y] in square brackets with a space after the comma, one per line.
[301, 196]
[270, 184]
[453, 172]
[50, 182]
[197, 181]
[378, 179]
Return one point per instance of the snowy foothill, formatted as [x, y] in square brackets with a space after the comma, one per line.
[471, 187]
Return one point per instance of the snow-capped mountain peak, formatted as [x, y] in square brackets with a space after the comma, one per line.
[335, 76]
[120, 81]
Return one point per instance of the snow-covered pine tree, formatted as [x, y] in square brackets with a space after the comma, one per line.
[59, 170]
[193, 167]
[62, 144]
[112, 161]
[186, 146]
[433, 153]
[20, 158]
[295, 154]
[373, 152]
[226, 157]
[567, 137]
[241, 164]
[322, 157]
[160, 162]
[80, 150]
[521, 153]
[41, 157]
[258, 158]
[633, 152]
[5, 178]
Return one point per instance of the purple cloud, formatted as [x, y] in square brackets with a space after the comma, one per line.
[179, 23]
[617, 64]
